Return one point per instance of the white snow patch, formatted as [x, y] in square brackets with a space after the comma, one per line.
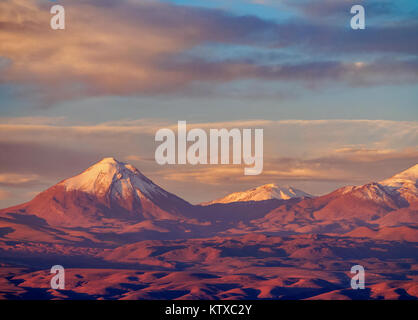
[265, 192]
[115, 178]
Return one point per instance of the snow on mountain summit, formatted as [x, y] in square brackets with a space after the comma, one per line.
[109, 175]
[273, 191]
[408, 176]
[404, 184]
[107, 190]
[265, 192]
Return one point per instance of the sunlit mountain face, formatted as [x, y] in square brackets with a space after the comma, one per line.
[112, 216]
[207, 149]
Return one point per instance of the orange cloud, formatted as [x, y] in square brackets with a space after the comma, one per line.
[91, 50]
[110, 49]
[5, 194]
[15, 180]
[143, 47]
[300, 153]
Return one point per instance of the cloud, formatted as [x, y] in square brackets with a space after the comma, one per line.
[356, 73]
[5, 194]
[18, 180]
[299, 136]
[316, 155]
[326, 8]
[221, 175]
[86, 56]
[31, 120]
[146, 49]
[317, 176]
[354, 166]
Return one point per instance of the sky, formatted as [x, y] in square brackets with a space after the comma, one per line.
[338, 106]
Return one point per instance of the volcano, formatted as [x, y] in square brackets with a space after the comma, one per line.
[109, 191]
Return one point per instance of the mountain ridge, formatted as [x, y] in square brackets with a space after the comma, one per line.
[261, 193]
[118, 197]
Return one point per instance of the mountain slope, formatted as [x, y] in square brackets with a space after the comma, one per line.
[114, 197]
[391, 203]
[265, 192]
[404, 184]
[107, 193]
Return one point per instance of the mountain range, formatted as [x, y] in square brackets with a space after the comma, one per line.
[117, 197]
[121, 236]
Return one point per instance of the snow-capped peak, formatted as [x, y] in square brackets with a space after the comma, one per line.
[114, 178]
[404, 184]
[265, 192]
[371, 191]
[273, 191]
[408, 176]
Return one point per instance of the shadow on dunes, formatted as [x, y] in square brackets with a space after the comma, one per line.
[4, 231]
[205, 276]
[393, 250]
[251, 251]
[45, 261]
[167, 294]
[32, 293]
[403, 295]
